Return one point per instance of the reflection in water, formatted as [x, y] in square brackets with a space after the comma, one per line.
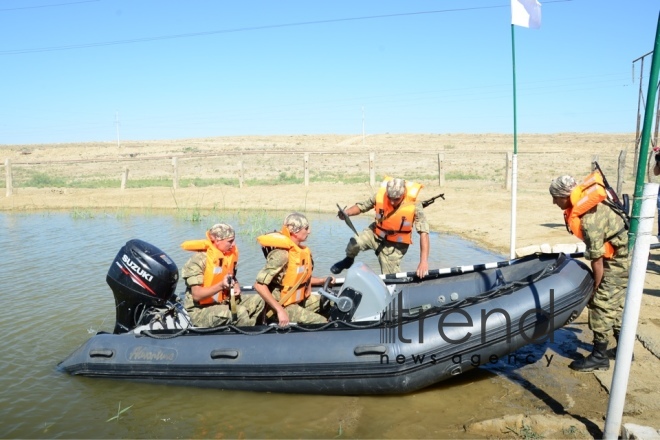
[53, 281]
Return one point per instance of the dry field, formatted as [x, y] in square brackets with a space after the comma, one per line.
[477, 205]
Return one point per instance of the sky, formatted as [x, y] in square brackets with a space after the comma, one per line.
[102, 70]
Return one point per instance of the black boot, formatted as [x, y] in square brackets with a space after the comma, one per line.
[597, 360]
[341, 265]
[611, 353]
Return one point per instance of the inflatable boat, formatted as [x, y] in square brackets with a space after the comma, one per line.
[385, 335]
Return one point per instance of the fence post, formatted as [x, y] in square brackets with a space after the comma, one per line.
[124, 178]
[8, 183]
[620, 171]
[508, 170]
[241, 174]
[175, 176]
[306, 165]
[372, 171]
[441, 170]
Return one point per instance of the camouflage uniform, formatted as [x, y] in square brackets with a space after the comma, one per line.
[272, 275]
[247, 310]
[606, 306]
[389, 253]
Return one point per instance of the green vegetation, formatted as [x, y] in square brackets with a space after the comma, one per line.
[457, 175]
[30, 179]
[526, 433]
[43, 180]
[119, 413]
[78, 213]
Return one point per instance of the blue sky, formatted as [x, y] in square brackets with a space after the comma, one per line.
[199, 68]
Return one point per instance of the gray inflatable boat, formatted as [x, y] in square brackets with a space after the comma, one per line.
[385, 335]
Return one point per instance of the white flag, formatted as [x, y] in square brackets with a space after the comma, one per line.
[526, 13]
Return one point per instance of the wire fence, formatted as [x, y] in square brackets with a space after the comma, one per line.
[276, 167]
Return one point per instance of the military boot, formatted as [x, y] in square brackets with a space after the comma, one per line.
[597, 360]
[611, 353]
[341, 265]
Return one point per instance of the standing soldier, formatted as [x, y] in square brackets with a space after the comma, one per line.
[592, 218]
[390, 235]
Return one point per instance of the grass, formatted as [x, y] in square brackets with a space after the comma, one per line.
[119, 413]
[526, 433]
[458, 175]
[32, 179]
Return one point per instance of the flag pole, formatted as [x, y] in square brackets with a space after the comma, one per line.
[514, 160]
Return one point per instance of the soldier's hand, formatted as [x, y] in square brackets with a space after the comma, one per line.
[283, 318]
[341, 215]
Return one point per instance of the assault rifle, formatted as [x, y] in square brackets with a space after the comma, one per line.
[622, 205]
[430, 201]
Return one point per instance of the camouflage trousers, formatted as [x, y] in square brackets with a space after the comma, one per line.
[305, 312]
[248, 309]
[606, 306]
[389, 254]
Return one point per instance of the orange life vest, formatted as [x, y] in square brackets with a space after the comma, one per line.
[296, 284]
[391, 225]
[218, 266]
[583, 198]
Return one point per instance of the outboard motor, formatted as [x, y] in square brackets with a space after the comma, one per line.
[141, 276]
[363, 296]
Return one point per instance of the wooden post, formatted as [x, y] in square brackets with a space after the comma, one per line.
[508, 170]
[441, 170]
[175, 174]
[306, 165]
[241, 174]
[594, 159]
[8, 182]
[620, 170]
[372, 170]
[124, 178]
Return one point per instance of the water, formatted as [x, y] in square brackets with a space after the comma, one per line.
[55, 297]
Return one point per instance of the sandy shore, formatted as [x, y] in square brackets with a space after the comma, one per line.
[477, 205]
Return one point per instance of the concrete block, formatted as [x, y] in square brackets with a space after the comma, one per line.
[527, 250]
[546, 248]
[567, 248]
[581, 247]
[632, 431]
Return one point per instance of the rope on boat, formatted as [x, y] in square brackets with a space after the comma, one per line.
[500, 291]
[505, 289]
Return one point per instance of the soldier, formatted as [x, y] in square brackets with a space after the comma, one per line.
[286, 280]
[390, 235]
[208, 275]
[596, 221]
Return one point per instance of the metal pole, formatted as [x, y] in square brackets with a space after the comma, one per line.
[624, 352]
[514, 162]
[646, 135]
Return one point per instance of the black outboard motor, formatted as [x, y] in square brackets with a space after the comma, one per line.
[141, 276]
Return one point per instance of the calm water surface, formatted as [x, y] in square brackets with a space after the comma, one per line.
[52, 277]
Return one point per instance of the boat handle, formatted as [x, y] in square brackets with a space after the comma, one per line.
[102, 353]
[362, 350]
[224, 354]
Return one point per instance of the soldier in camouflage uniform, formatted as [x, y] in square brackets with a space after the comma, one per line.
[599, 225]
[389, 253]
[269, 281]
[247, 310]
